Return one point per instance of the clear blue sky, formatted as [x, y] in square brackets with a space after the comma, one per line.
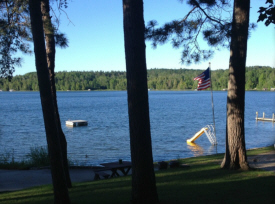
[96, 38]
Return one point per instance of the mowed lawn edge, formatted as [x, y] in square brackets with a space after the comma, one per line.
[203, 182]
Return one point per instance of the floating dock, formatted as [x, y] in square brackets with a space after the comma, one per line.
[265, 119]
[75, 123]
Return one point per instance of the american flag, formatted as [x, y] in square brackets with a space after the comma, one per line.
[204, 80]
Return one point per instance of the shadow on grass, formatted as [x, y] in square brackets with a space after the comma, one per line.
[116, 190]
[43, 194]
[203, 182]
[216, 186]
[248, 191]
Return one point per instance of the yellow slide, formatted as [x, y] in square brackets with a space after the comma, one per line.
[197, 135]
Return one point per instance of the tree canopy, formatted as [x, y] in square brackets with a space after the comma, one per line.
[14, 34]
[210, 18]
[257, 77]
[267, 14]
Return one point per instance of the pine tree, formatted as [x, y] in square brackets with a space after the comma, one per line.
[143, 177]
[235, 154]
[61, 194]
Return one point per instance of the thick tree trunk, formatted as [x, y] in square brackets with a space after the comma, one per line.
[61, 194]
[235, 155]
[50, 51]
[143, 176]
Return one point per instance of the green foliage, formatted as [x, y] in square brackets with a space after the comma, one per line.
[267, 14]
[257, 78]
[209, 19]
[38, 157]
[7, 162]
[14, 34]
[22, 165]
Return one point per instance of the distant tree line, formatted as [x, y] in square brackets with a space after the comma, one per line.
[257, 77]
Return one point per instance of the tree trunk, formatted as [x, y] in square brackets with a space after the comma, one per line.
[50, 52]
[143, 176]
[61, 194]
[235, 155]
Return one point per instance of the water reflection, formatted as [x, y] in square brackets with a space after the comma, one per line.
[213, 149]
[263, 122]
[195, 148]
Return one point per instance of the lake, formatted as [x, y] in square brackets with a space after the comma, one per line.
[175, 116]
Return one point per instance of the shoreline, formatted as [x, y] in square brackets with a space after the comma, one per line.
[75, 166]
[14, 180]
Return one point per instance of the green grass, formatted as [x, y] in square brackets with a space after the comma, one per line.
[259, 150]
[203, 182]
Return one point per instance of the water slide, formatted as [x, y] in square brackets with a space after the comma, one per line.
[197, 135]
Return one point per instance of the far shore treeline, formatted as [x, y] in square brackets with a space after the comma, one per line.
[257, 78]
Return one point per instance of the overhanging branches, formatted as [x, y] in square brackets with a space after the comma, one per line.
[212, 19]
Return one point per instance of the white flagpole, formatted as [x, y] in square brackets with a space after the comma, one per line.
[212, 103]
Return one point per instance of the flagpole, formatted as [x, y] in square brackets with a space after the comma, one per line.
[212, 104]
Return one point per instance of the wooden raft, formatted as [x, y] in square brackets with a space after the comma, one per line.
[75, 123]
[265, 119]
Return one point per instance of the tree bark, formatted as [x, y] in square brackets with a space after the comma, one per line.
[50, 52]
[235, 155]
[61, 194]
[143, 176]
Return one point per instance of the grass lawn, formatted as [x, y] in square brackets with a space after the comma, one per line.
[203, 182]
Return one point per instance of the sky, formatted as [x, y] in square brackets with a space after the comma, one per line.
[96, 42]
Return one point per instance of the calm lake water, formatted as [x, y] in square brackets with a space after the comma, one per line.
[175, 117]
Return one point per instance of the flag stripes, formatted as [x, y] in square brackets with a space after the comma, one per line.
[204, 80]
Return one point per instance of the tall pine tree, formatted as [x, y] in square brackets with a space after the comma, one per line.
[61, 194]
[143, 177]
[50, 32]
[235, 154]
